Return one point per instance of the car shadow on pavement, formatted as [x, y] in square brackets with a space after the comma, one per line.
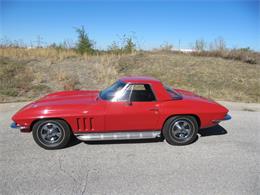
[73, 141]
[216, 130]
[131, 141]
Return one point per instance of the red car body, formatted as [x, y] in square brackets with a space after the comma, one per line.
[85, 111]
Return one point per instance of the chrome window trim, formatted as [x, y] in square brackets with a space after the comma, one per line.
[151, 90]
[123, 91]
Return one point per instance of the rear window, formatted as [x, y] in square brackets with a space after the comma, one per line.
[174, 94]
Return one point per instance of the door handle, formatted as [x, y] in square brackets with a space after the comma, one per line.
[153, 109]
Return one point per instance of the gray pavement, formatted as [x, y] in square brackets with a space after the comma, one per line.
[224, 160]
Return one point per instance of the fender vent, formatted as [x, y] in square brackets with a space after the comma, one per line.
[85, 124]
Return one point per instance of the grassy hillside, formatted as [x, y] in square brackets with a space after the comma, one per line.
[27, 74]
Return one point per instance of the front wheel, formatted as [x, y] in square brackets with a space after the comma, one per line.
[180, 130]
[51, 134]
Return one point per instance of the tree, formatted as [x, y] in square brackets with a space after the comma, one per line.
[219, 44]
[129, 46]
[84, 45]
[200, 45]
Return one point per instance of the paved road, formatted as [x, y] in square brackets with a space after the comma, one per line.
[224, 160]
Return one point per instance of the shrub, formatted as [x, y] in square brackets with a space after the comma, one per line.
[126, 45]
[129, 46]
[166, 47]
[114, 48]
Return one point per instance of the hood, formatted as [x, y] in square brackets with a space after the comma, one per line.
[56, 103]
[65, 98]
[68, 97]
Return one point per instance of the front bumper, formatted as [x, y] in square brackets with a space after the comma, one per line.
[16, 126]
[227, 117]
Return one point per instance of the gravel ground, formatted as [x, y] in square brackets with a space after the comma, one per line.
[224, 160]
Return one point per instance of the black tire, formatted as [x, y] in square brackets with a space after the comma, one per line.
[175, 134]
[51, 134]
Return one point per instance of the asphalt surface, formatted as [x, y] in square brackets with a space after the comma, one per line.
[224, 160]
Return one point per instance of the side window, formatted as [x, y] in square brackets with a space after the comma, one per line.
[142, 93]
[124, 96]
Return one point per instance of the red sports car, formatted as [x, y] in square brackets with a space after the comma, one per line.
[131, 108]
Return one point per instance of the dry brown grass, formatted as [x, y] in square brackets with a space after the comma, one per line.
[34, 72]
[27, 54]
[235, 54]
[208, 76]
[16, 81]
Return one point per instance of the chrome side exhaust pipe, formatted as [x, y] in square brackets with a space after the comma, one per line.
[118, 135]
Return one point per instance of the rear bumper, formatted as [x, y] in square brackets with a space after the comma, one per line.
[22, 128]
[227, 117]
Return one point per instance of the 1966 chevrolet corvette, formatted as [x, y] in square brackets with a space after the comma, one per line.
[132, 108]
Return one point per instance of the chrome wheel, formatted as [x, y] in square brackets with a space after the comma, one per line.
[50, 133]
[181, 129]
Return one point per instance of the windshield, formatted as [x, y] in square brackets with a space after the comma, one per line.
[174, 94]
[109, 93]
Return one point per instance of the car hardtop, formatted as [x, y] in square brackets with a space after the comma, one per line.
[140, 80]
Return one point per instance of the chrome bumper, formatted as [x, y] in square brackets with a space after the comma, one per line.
[22, 128]
[227, 117]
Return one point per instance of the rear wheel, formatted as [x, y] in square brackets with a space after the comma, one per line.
[51, 134]
[180, 130]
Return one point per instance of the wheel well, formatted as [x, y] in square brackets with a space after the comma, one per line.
[36, 120]
[195, 116]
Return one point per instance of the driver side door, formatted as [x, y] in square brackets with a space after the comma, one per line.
[136, 109]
